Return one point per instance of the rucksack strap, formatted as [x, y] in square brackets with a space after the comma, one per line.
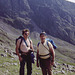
[46, 47]
[20, 45]
[38, 44]
[43, 45]
[47, 44]
[26, 42]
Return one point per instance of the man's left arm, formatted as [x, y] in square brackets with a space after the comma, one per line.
[31, 45]
[52, 52]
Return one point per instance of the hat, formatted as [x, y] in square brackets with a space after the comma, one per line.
[43, 33]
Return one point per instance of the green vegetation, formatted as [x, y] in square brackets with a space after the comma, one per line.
[9, 65]
[35, 42]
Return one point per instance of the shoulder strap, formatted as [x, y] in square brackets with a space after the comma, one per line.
[20, 43]
[43, 45]
[38, 44]
[26, 42]
[46, 47]
[47, 44]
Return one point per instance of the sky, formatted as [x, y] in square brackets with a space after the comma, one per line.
[71, 1]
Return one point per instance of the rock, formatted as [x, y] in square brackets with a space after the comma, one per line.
[6, 71]
[3, 55]
[58, 71]
[39, 68]
[63, 68]
[35, 59]
[15, 64]
[5, 51]
[6, 63]
[37, 73]
[64, 64]
[63, 72]
[55, 65]
[34, 47]
[73, 70]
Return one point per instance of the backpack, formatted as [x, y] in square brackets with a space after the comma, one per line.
[20, 37]
[52, 42]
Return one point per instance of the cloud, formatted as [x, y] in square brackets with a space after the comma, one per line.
[71, 1]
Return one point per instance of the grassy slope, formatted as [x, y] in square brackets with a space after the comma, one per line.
[14, 69]
[10, 69]
[7, 41]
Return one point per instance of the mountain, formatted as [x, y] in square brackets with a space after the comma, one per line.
[56, 17]
[65, 51]
[16, 13]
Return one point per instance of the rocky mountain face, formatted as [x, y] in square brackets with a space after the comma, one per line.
[56, 17]
[16, 13]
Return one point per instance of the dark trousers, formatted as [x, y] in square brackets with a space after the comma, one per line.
[45, 66]
[27, 60]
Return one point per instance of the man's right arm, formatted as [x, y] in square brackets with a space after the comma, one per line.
[17, 51]
[52, 53]
[37, 56]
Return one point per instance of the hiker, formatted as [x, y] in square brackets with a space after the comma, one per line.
[45, 55]
[26, 48]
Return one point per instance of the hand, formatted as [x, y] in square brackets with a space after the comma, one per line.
[30, 50]
[52, 63]
[20, 58]
[37, 65]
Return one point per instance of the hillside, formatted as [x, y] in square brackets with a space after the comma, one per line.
[56, 17]
[65, 53]
[9, 34]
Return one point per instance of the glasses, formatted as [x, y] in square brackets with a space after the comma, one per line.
[26, 34]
